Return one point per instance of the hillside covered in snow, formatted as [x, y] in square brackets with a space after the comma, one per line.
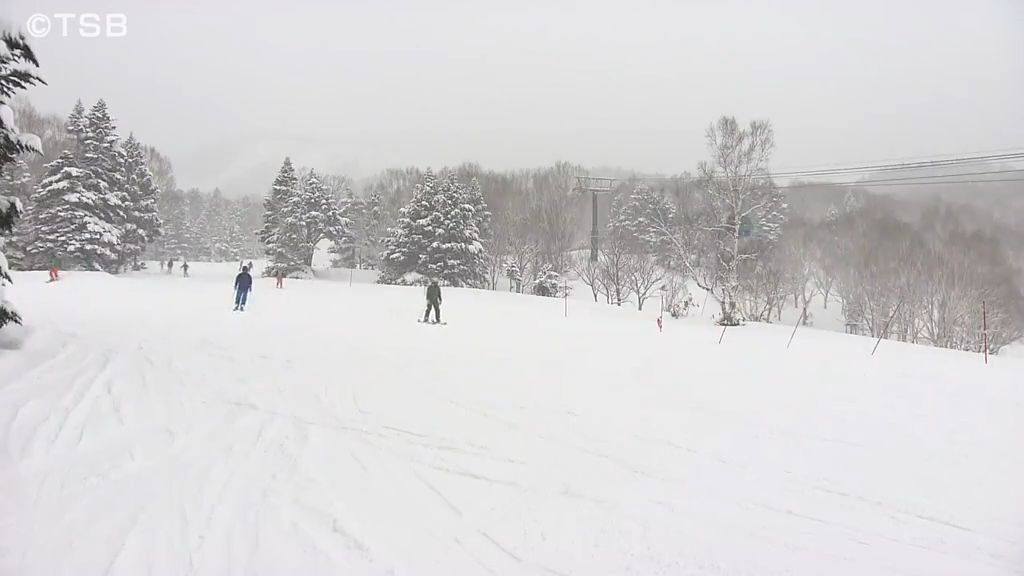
[146, 428]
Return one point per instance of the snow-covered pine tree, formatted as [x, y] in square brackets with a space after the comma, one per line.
[236, 240]
[197, 229]
[438, 235]
[101, 157]
[548, 282]
[67, 229]
[217, 228]
[75, 124]
[350, 252]
[307, 216]
[250, 222]
[375, 228]
[16, 183]
[18, 66]
[514, 275]
[285, 186]
[457, 256]
[142, 222]
[175, 218]
[481, 214]
[406, 244]
[16, 179]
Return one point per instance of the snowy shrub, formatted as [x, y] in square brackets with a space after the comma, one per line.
[548, 282]
[514, 275]
[413, 279]
[678, 300]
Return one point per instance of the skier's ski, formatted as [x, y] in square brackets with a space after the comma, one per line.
[429, 322]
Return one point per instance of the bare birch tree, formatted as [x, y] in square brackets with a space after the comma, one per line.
[643, 276]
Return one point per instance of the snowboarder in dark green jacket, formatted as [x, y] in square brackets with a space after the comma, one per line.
[433, 301]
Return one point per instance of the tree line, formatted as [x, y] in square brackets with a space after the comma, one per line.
[80, 195]
[912, 270]
[93, 205]
[207, 226]
[91, 199]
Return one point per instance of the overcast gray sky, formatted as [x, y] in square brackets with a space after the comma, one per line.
[228, 88]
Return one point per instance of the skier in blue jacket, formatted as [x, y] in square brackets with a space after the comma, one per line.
[243, 285]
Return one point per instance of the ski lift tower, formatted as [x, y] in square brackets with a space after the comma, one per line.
[595, 185]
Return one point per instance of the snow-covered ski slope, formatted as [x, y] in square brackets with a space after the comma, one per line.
[145, 428]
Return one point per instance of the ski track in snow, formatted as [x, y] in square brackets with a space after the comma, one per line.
[147, 429]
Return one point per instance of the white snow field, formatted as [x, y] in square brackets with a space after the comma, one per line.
[145, 428]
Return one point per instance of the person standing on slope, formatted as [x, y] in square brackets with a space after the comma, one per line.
[433, 301]
[280, 278]
[243, 285]
[184, 268]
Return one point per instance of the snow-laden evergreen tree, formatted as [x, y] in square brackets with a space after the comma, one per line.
[221, 226]
[67, 228]
[101, 158]
[439, 235]
[406, 244]
[18, 66]
[16, 179]
[514, 275]
[299, 217]
[215, 226]
[207, 226]
[285, 186]
[375, 228]
[75, 124]
[235, 241]
[176, 220]
[481, 214]
[142, 222]
[548, 282]
[16, 182]
[197, 229]
[350, 252]
[456, 256]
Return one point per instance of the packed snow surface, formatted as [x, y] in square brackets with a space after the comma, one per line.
[145, 428]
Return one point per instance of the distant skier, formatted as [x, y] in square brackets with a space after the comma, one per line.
[241, 265]
[170, 266]
[53, 273]
[280, 278]
[243, 285]
[184, 268]
[433, 301]
[250, 267]
[162, 265]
